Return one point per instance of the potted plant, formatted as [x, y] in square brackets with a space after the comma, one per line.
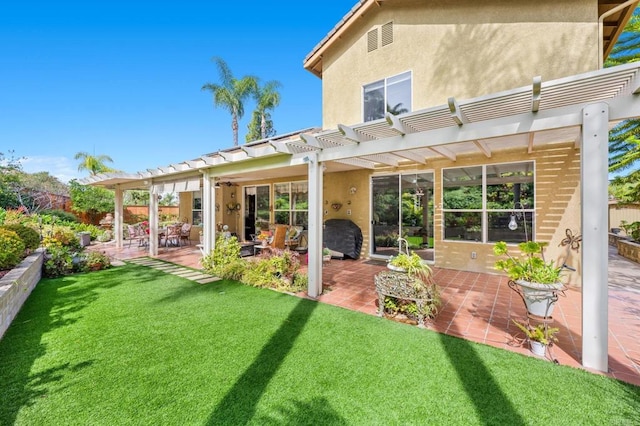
[539, 337]
[538, 279]
[412, 264]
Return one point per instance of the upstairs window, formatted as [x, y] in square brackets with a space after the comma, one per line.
[392, 94]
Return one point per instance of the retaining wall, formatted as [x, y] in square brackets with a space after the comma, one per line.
[17, 285]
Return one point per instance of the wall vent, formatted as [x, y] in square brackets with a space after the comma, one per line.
[387, 33]
[372, 40]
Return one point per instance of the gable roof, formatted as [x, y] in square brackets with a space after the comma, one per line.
[612, 28]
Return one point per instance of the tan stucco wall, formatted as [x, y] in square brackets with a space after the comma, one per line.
[463, 49]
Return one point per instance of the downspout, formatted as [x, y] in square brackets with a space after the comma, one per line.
[601, 28]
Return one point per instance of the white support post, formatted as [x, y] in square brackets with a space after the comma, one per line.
[117, 220]
[315, 225]
[595, 262]
[208, 213]
[153, 222]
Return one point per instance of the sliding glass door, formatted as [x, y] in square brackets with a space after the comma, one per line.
[257, 213]
[402, 205]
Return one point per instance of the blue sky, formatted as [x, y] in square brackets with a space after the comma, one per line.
[123, 78]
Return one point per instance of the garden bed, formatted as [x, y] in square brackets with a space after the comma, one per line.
[16, 286]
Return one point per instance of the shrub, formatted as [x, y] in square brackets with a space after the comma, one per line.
[227, 251]
[11, 249]
[94, 261]
[277, 269]
[94, 230]
[61, 236]
[58, 261]
[60, 216]
[29, 236]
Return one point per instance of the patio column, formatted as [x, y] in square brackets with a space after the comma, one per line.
[117, 220]
[153, 222]
[315, 225]
[208, 212]
[595, 261]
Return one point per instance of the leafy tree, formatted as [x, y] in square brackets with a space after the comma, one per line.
[624, 139]
[40, 191]
[169, 199]
[136, 197]
[10, 174]
[91, 199]
[94, 164]
[231, 93]
[267, 98]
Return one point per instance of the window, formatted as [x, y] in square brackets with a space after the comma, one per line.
[392, 95]
[489, 203]
[291, 203]
[196, 209]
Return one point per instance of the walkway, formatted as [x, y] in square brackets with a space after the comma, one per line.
[480, 307]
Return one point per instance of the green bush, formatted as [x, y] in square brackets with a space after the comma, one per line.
[94, 261]
[226, 252]
[59, 215]
[29, 236]
[11, 249]
[61, 236]
[58, 261]
[94, 230]
[277, 269]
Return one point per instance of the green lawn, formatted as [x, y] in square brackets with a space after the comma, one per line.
[132, 345]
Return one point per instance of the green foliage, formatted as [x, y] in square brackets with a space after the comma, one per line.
[413, 265]
[277, 269]
[29, 236]
[94, 261]
[59, 215]
[231, 93]
[631, 229]
[94, 230]
[222, 262]
[267, 98]
[11, 249]
[58, 261]
[91, 199]
[3, 215]
[10, 175]
[60, 236]
[529, 265]
[94, 164]
[539, 333]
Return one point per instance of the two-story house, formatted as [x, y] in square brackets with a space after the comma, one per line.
[451, 124]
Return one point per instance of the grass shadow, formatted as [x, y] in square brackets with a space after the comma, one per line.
[239, 404]
[490, 402]
[54, 303]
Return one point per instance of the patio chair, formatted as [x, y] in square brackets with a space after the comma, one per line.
[185, 233]
[173, 235]
[303, 243]
[279, 238]
[133, 234]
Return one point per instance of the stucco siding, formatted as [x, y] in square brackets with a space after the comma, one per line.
[462, 49]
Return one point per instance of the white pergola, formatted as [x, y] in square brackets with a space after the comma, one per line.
[579, 108]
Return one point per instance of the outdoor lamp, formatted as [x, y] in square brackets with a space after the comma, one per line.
[513, 225]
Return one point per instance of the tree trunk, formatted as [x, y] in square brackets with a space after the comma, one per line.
[234, 127]
[263, 126]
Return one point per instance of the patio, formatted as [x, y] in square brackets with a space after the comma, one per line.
[478, 307]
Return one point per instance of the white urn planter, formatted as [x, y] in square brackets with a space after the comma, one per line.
[539, 299]
[538, 349]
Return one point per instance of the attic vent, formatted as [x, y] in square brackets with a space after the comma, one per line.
[387, 33]
[372, 40]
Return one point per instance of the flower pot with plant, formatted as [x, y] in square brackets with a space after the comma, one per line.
[538, 280]
[540, 336]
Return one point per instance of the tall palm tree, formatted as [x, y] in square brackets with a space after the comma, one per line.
[267, 98]
[231, 93]
[94, 164]
[624, 138]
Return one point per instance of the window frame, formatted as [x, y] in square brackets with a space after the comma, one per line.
[196, 195]
[385, 87]
[528, 212]
[292, 207]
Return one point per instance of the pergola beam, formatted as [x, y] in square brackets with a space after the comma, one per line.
[444, 152]
[412, 156]
[482, 146]
[349, 133]
[395, 124]
[456, 113]
[535, 93]
[311, 140]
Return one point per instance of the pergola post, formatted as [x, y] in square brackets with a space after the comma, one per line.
[118, 217]
[208, 213]
[595, 262]
[315, 225]
[153, 222]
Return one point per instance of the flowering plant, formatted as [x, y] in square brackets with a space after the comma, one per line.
[264, 235]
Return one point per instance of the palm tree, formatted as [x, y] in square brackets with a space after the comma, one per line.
[231, 93]
[267, 97]
[94, 164]
[624, 139]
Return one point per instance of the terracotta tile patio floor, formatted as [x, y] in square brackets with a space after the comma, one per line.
[479, 307]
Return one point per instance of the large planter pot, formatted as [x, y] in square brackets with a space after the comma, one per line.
[539, 298]
[395, 268]
[538, 348]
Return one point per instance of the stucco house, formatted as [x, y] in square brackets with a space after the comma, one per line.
[454, 124]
